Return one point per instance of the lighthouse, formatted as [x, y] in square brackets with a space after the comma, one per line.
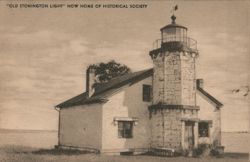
[161, 110]
[174, 113]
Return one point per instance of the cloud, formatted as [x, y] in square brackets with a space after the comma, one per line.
[223, 55]
[45, 67]
[223, 64]
[133, 54]
[38, 70]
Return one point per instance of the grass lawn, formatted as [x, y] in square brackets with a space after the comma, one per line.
[26, 154]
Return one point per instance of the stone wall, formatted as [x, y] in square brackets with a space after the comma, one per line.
[172, 76]
[174, 79]
[173, 84]
[166, 128]
[158, 80]
[189, 114]
[188, 81]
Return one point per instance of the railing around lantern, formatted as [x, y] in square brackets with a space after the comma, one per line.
[186, 41]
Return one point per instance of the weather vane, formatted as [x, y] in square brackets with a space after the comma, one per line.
[174, 9]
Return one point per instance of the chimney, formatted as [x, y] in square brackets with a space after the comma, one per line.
[90, 81]
[200, 83]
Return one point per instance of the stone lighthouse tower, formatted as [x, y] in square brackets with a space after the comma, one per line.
[173, 113]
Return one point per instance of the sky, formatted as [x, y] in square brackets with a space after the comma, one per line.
[44, 53]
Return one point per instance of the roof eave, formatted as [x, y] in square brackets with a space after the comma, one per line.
[87, 102]
[219, 106]
[217, 103]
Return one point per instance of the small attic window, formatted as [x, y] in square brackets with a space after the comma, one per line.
[146, 93]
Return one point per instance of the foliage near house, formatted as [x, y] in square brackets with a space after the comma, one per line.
[106, 71]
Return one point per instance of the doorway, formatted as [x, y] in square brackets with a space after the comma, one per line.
[189, 135]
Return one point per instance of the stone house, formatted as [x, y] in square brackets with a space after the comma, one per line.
[164, 107]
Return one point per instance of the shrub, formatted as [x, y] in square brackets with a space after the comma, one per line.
[217, 151]
[202, 149]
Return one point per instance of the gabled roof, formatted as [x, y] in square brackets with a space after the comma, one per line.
[81, 99]
[101, 89]
[209, 97]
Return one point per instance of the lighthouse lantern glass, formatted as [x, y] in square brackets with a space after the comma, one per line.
[174, 34]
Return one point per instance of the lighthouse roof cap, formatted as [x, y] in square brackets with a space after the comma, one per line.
[173, 24]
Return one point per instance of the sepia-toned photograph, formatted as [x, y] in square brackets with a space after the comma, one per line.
[120, 81]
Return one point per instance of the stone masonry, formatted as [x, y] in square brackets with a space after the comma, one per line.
[174, 87]
[174, 79]
[166, 129]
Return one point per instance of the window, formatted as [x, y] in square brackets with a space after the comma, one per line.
[125, 129]
[203, 129]
[146, 93]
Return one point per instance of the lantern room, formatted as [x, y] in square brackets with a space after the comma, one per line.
[174, 32]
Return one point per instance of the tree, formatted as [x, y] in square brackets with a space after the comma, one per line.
[106, 71]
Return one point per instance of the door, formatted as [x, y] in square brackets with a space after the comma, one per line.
[189, 135]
